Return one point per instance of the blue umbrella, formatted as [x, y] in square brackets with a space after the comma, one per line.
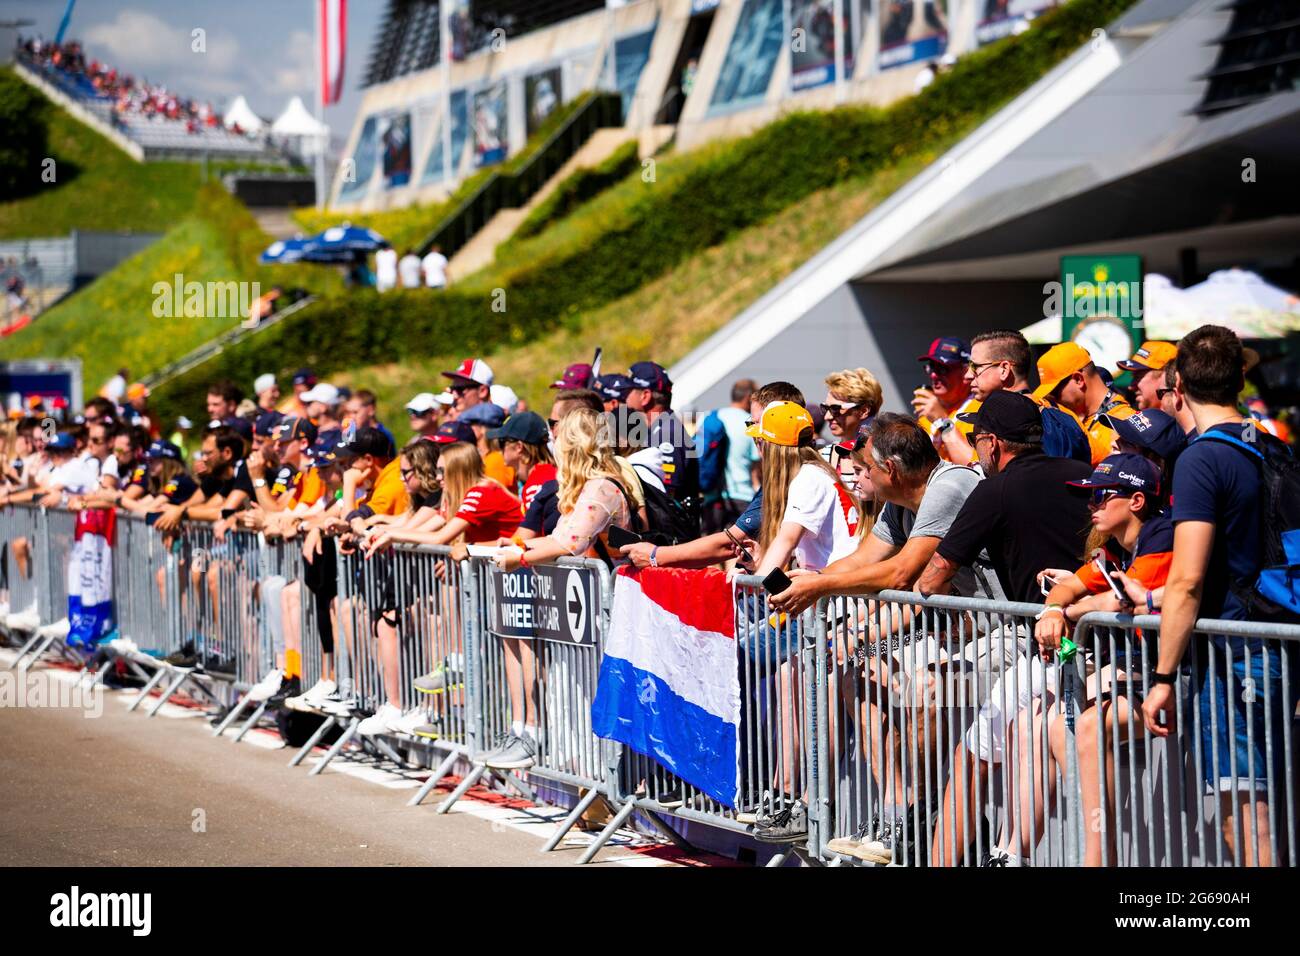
[346, 238]
[284, 251]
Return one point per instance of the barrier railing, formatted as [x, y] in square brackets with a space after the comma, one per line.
[909, 730]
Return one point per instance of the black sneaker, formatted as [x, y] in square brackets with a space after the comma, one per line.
[289, 687]
[786, 825]
[185, 657]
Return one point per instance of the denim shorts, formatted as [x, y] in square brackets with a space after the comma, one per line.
[1241, 700]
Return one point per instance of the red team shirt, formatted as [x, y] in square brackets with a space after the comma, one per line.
[491, 512]
[540, 475]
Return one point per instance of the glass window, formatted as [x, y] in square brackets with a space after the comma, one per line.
[751, 56]
[433, 169]
[363, 159]
[630, 56]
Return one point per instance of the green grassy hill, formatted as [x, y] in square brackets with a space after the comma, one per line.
[97, 186]
[112, 322]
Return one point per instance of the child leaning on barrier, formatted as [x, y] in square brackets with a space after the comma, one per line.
[1134, 536]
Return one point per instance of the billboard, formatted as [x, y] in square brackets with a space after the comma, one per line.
[812, 44]
[491, 132]
[1002, 18]
[541, 97]
[912, 30]
[395, 147]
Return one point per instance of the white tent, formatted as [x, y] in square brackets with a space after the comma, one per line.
[242, 115]
[296, 123]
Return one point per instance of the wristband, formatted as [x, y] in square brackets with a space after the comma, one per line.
[653, 552]
[1151, 605]
[523, 560]
[1159, 678]
[1048, 610]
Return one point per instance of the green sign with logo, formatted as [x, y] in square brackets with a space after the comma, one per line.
[1101, 305]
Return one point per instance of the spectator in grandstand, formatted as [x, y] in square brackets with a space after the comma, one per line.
[1069, 379]
[361, 410]
[100, 410]
[434, 268]
[408, 270]
[424, 414]
[1153, 435]
[130, 482]
[385, 267]
[671, 454]
[503, 396]
[137, 410]
[947, 394]
[575, 376]
[484, 417]
[1000, 361]
[593, 497]
[115, 388]
[1220, 508]
[223, 404]
[267, 391]
[1026, 517]
[729, 463]
[526, 452]
[471, 384]
[303, 380]
[853, 396]
[1135, 537]
[1147, 368]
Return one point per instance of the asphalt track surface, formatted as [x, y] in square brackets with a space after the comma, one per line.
[120, 789]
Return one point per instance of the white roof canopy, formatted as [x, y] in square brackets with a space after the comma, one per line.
[297, 121]
[241, 114]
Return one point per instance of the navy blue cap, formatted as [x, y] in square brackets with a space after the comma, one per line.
[613, 386]
[322, 450]
[450, 432]
[63, 441]
[267, 423]
[1151, 429]
[484, 413]
[304, 376]
[947, 350]
[163, 449]
[1126, 472]
[295, 426]
[650, 375]
[527, 427]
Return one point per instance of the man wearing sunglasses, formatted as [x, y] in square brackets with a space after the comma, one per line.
[1147, 368]
[471, 384]
[945, 394]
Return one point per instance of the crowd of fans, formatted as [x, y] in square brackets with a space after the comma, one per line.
[123, 91]
[986, 487]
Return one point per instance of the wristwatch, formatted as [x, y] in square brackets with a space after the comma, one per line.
[942, 425]
[259, 482]
[1159, 678]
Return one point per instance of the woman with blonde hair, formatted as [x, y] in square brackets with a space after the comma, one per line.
[593, 498]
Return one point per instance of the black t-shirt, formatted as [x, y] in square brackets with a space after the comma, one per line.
[180, 489]
[283, 480]
[210, 485]
[544, 513]
[135, 475]
[1028, 518]
[419, 501]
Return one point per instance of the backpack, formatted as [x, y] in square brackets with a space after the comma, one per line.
[1062, 436]
[1274, 593]
[714, 446]
[668, 520]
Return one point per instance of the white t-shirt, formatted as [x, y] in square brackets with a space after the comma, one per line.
[826, 511]
[76, 477]
[435, 270]
[385, 269]
[409, 269]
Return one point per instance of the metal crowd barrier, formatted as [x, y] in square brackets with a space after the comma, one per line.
[949, 740]
[22, 522]
[49, 538]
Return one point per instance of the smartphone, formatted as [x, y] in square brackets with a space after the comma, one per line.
[745, 556]
[776, 582]
[1099, 563]
[151, 517]
[621, 537]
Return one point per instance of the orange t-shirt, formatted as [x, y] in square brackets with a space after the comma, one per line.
[494, 466]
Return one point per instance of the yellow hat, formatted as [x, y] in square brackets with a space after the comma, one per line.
[1152, 356]
[781, 424]
[1059, 363]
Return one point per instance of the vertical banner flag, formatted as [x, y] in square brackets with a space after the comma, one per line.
[668, 683]
[90, 578]
[333, 42]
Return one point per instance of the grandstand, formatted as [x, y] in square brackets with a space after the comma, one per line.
[182, 131]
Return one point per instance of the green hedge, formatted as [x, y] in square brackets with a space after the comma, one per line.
[638, 231]
[24, 137]
[583, 185]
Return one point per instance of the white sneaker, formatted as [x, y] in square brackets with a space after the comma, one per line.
[28, 620]
[57, 629]
[123, 646]
[265, 688]
[410, 721]
[383, 722]
[335, 706]
[313, 697]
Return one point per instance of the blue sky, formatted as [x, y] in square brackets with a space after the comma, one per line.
[264, 49]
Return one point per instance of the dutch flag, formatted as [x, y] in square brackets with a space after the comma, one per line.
[668, 686]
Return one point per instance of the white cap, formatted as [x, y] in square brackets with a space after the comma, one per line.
[424, 402]
[322, 392]
[262, 383]
[472, 370]
[445, 397]
[504, 396]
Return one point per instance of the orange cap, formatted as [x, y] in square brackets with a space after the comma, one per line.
[1152, 356]
[136, 390]
[781, 424]
[1059, 363]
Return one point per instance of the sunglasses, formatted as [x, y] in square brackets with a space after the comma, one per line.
[406, 472]
[458, 389]
[977, 368]
[1102, 495]
[839, 409]
[938, 369]
[1162, 392]
[552, 422]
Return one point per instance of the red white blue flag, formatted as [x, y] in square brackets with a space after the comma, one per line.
[668, 686]
[333, 22]
[90, 579]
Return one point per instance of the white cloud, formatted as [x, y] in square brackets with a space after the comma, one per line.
[297, 71]
[141, 43]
